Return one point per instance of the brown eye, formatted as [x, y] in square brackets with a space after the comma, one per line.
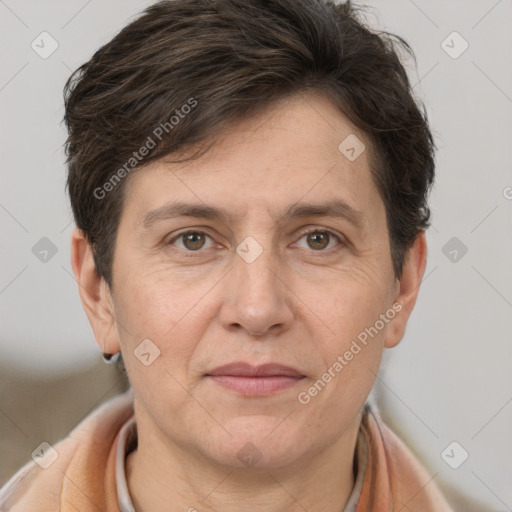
[191, 241]
[318, 240]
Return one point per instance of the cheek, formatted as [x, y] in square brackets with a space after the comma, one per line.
[351, 314]
[169, 318]
[351, 341]
[350, 358]
[156, 302]
[350, 304]
[168, 314]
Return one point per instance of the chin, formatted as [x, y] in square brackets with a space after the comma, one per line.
[258, 443]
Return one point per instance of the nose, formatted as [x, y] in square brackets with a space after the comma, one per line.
[257, 298]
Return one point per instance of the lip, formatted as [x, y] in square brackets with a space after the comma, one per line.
[261, 380]
[242, 369]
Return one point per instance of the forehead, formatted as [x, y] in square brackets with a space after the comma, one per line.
[298, 150]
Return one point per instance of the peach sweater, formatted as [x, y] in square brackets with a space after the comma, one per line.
[83, 477]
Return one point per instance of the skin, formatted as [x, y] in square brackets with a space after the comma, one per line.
[300, 303]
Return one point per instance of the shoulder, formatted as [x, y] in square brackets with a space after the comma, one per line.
[395, 471]
[39, 486]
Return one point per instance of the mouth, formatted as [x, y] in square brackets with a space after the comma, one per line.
[249, 380]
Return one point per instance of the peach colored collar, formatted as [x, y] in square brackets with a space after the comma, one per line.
[127, 439]
[83, 477]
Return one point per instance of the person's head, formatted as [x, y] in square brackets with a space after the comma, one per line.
[246, 125]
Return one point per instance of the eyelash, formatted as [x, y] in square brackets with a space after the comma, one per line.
[190, 253]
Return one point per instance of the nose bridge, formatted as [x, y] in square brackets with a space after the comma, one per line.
[255, 267]
[257, 299]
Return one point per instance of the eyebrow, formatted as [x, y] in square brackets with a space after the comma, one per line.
[333, 208]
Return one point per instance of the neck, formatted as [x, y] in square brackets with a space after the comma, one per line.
[159, 474]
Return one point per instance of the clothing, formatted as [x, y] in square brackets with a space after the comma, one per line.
[127, 441]
[88, 474]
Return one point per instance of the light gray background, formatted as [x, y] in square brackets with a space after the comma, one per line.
[450, 378]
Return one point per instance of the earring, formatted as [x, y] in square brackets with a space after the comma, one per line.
[110, 358]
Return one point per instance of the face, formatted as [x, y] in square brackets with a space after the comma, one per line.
[297, 300]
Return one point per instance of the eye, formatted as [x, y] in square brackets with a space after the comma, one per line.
[192, 241]
[317, 239]
[320, 239]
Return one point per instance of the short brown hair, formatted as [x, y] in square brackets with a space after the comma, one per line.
[233, 58]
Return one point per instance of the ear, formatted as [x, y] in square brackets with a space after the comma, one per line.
[94, 293]
[408, 288]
